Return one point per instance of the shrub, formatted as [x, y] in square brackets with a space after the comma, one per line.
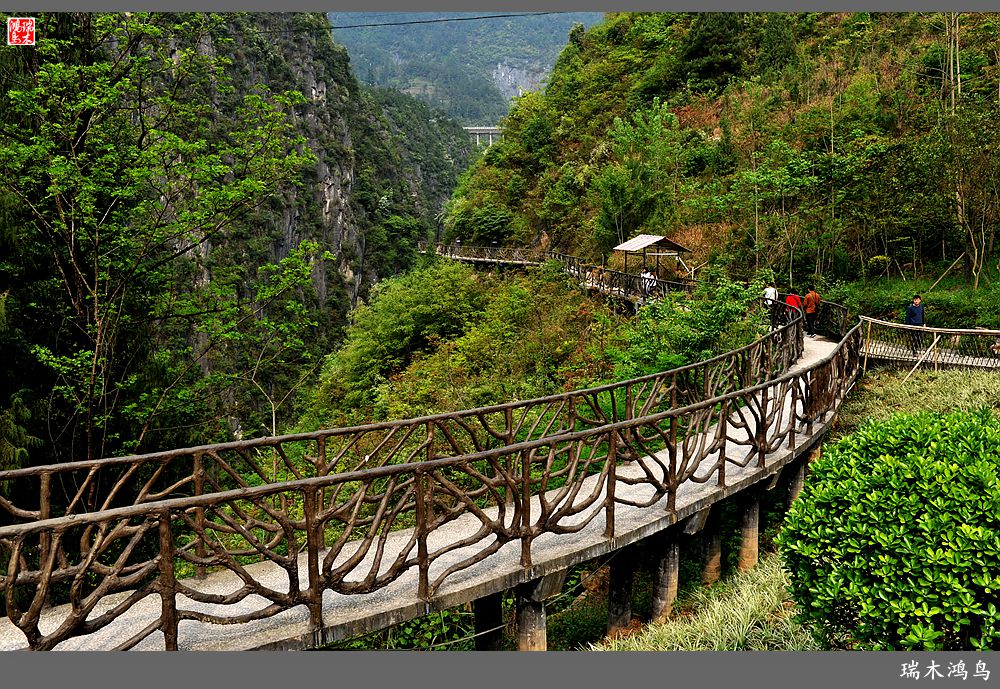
[895, 541]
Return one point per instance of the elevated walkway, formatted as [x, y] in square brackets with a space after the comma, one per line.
[723, 455]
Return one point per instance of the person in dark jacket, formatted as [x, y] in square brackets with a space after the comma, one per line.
[915, 316]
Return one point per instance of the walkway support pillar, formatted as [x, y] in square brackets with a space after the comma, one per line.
[711, 536]
[488, 612]
[531, 610]
[621, 577]
[665, 574]
[749, 532]
[796, 482]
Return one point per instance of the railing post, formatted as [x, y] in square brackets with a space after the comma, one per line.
[44, 537]
[423, 515]
[609, 496]
[314, 542]
[168, 583]
[761, 435]
[793, 420]
[723, 430]
[525, 508]
[672, 450]
[868, 339]
[199, 515]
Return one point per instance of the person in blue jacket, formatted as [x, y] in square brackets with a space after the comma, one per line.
[915, 316]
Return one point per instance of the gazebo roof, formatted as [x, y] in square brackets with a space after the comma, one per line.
[641, 241]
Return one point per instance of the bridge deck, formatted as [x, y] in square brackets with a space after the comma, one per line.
[349, 615]
[885, 351]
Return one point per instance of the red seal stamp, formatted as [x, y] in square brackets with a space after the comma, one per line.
[21, 31]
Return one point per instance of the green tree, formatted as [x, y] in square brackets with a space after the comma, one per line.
[124, 169]
[638, 188]
[713, 52]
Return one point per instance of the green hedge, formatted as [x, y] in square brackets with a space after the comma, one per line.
[894, 542]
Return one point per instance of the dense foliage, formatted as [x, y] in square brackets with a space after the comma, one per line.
[823, 146]
[895, 541]
[189, 205]
[469, 69]
[443, 337]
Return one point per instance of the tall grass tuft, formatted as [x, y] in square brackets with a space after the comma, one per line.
[747, 612]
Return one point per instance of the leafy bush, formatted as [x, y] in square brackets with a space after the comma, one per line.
[895, 540]
[407, 314]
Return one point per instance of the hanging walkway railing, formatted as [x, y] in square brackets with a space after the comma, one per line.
[416, 503]
[615, 283]
[909, 345]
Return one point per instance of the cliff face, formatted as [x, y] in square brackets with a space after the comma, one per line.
[367, 200]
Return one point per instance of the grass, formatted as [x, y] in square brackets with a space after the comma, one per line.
[882, 393]
[750, 611]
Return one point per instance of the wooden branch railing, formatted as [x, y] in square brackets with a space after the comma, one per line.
[365, 503]
[611, 282]
[912, 345]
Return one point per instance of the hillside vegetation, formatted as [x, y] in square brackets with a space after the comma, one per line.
[468, 69]
[829, 146]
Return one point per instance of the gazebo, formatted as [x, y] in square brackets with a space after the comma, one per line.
[661, 246]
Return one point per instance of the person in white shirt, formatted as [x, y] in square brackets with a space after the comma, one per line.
[771, 303]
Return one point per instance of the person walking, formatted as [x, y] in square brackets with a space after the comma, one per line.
[811, 304]
[771, 303]
[792, 302]
[915, 316]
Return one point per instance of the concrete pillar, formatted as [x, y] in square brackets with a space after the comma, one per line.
[530, 624]
[665, 574]
[622, 576]
[749, 532]
[796, 482]
[531, 610]
[488, 612]
[711, 536]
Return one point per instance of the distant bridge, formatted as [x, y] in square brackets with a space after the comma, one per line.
[627, 287]
[487, 132]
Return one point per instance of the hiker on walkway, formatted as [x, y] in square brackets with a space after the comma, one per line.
[811, 304]
[792, 302]
[771, 303]
[915, 316]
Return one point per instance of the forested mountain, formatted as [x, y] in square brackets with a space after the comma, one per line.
[189, 205]
[469, 69]
[828, 146]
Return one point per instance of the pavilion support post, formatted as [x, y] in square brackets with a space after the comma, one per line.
[531, 610]
[749, 532]
[711, 535]
[622, 576]
[488, 612]
[665, 574]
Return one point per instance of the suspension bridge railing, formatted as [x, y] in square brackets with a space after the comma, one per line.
[362, 529]
[910, 345]
[612, 282]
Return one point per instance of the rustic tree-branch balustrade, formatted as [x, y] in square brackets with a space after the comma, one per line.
[365, 503]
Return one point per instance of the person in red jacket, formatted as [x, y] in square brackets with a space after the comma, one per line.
[811, 305]
[792, 302]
